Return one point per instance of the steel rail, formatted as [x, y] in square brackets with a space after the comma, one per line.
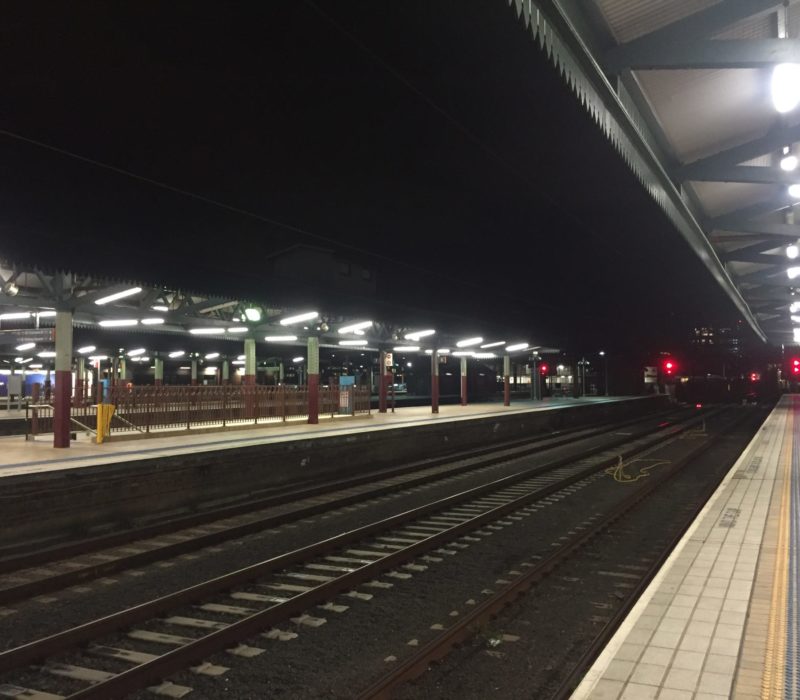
[180, 658]
[71, 577]
[471, 623]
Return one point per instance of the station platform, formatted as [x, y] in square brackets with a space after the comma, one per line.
[722, 617]
[18, 456]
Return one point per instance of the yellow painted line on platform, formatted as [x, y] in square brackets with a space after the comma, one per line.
[772, 682]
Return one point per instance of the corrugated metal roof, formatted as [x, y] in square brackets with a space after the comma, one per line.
[629, 19]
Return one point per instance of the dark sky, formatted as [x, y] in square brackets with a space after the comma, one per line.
[433, 137]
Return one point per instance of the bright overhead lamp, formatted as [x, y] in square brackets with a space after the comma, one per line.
[15, 315]
[177, 353]
[794, 307]
[796, 332]
[46, 353]
[468, 342]
[236, 329]
[86, 349]
[785, 86]
[352, 342]
[280, 338]
[793, 272]
[160, 307]
[206, 331]
[118, 295]
[416, 335]
[463, 353]
[792, 251]
[252, 314]
[406, 348]
[36, 365]
[46, 314]
[789, 163]
[794, 190]
[796, 319]
[517, 346]
[355, 327]
[237, 362]
[493, 345]
[298, 359]
[484, 355]
[152, 321]
[23, 361]
[96, 358]
[211, 355]
[119, 323]
[138, 351]
[443, 351]
[429, 352]
[26, 346]
[306, 316]
[240, 357]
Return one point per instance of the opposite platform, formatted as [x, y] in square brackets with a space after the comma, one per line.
[720, 619]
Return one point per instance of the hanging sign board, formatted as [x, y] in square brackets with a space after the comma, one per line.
[389, 360]
[29, 335]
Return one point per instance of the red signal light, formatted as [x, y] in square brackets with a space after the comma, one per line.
[670, 367]
[543, 368]
[698, 405]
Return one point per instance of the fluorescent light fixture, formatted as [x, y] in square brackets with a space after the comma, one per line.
[789, 163]
[793, 272]
[468, 342]
[209, 370]
[484, 355]
[463, 353]
[785, 86]
[185, 367]
[177, 353]
[118, 295]
[794, 190]
[443, 351]
[206, 331]
[352, 342]
[429, 352]
[794, 307]
[353, 327]
[212, 355]
[240, 357]
[416, 335]
[517, 346]
[119, 323]
[96, 358]
[280, 338]
[237, 362]
[26, 360]
[152, 321]
[252, 314]
[86, 349]
[160, 307]
[17, 359]
[406, 348]
[306, 316]
[237, 329]
[46, 314]
[36, 365]
[493, 345]
[792, 251]
[298, 359]
[46, 353]
[796, 332]
[796, 319]
[138, 351]
[15, 315]
[27, 346]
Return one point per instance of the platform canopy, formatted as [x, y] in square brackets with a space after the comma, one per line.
[684, 90]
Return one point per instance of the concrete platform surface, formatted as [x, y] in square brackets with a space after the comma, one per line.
[18, 456]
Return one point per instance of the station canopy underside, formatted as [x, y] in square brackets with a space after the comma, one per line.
[683, 90]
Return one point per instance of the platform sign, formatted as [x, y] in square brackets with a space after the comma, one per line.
[650, 375]
[389, 359]
[29, 335]
[346, 385]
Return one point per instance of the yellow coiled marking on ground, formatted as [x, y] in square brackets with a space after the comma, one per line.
[619, 474]
[772, 681]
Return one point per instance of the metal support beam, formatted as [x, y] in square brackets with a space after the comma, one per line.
[708, 54]
[781, 233]
[744, 173]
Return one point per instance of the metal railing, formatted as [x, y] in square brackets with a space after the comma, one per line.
[147, 409]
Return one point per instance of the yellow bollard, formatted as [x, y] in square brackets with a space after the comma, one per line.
[105, 412]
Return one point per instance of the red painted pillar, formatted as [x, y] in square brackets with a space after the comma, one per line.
[382, 383]
[463, 381]
[194, 371]
[434, 382]
[313, 379]
[63, 393]
[506, 380]
[159, 371]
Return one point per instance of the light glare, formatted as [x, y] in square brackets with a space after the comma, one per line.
[416, 335]
[28, 346]
[785, 86]
[85, 350]
[118, 295]
[789, 163]
[517, 346]
[280, 338]
[306, 316]
[119, 323]
[467, 342]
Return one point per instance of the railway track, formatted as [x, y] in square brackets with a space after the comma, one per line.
[25, 576]
[491, 608]
[122, 652]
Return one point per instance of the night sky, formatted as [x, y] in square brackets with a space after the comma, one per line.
[432, 141]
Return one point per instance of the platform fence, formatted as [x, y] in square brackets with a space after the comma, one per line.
[146, 409]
